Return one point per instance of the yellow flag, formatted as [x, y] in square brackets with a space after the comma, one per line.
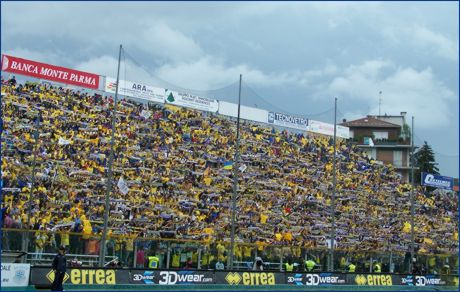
[427, 240]
[263, 218]
[406, 228]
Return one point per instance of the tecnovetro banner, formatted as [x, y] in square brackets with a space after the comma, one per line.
[437, 181]
[135, 89]
[191, 101]
[285, 120]
[49, 72]
[15, 275]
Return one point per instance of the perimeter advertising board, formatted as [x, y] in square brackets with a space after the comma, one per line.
[158, 277]
[249, 278]
[285, 120]
[316, 279]
[49, 72]
[437, 181]
[428, 280]
[45, 276]
[135, 89]
[373, 279]
[191, 101]
[93, 276]
[15, 275]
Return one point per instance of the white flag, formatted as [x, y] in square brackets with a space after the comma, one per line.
[145, 114]
[122, 186]
[368, 141]
[371, 143]
[63, 141]
[329, 243]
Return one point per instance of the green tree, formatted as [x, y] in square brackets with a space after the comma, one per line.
[425, 161]
[405, 132]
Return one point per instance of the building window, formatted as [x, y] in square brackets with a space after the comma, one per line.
[397, 158]
[380, 134]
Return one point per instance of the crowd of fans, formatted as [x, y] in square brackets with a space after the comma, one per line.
[177, 165]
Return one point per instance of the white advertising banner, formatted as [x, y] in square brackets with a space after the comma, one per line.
[191, 101]
[246, 112]
[135, 89]
[328, 129]
[289, 121]
[15, 275]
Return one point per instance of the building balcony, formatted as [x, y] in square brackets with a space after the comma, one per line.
[383, 142]
[402, 167]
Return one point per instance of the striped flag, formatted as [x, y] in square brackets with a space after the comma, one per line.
[228, 165]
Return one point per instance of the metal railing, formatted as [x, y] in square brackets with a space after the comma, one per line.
[174, 253]
[38, 259]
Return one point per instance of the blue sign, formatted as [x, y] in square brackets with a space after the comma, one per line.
[437, 181]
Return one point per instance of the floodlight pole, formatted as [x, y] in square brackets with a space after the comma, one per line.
[412, 206]
[1, 170]
[32, 185]
[109, 177]
[235, 182]
[334, 182]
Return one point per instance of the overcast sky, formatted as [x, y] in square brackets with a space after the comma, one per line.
[294, 56]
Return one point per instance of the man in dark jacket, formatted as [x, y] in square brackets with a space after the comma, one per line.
[59, 267]
[12, 81]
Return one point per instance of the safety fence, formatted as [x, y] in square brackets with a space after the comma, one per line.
[134, 252]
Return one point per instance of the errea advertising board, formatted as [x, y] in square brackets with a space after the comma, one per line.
[249, 278]
[81, 276]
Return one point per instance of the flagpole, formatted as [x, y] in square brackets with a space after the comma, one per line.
[235, 181]
[32, 186]
[1, 170]
[412, 206]
[109, 178]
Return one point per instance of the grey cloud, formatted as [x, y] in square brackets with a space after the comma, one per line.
[405, 89]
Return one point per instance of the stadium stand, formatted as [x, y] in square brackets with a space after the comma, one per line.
[177, 164]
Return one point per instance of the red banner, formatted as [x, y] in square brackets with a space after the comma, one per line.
[49, 72]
